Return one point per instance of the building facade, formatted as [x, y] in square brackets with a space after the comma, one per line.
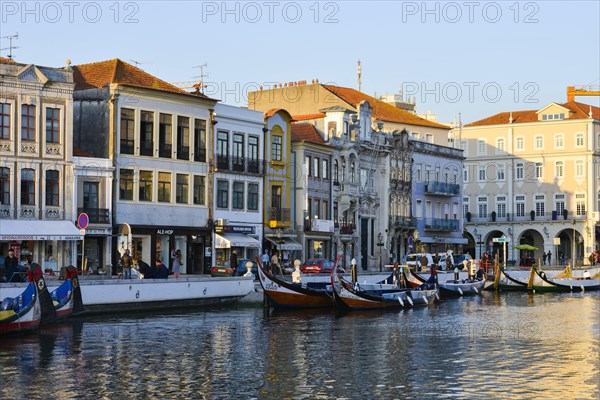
[533, 176]
[156, 136]
[93, 194]
[278, 219]
[239, 168]
[373, 224]
[312, 189]
[37, 210]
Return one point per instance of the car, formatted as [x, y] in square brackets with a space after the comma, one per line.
[221, 270]
[414, 260]
[318, 266]
[242, 269]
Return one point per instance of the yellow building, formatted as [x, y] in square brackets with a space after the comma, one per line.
[279, 169]
[533, 176]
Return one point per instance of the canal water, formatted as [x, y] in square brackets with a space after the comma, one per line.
[501, 346]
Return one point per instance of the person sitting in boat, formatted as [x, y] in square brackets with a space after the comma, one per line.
[587, 275]
[162, 272]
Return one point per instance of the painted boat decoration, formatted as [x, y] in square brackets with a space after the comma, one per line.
[283, 294]
[66, 298]
[23, 312]
[567, 284]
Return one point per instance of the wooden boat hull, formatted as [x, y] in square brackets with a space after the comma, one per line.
[286, 295]
[25, 314]
[460, 288]
[379, 296]
[566, 284]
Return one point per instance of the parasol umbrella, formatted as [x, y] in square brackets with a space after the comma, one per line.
[527, 247]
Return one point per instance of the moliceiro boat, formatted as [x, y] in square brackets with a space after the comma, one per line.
[23, 312]
[356, 296]
[290, 295]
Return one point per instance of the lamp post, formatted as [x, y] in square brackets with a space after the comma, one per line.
[380, 244]
[573, 248]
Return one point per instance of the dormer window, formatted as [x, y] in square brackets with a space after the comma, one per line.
[550, 117]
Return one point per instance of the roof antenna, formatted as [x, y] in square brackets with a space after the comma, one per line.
[359, 73]
[10, 44]
[137, 63]
[202, 75]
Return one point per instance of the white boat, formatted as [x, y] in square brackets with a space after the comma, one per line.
[116, 295]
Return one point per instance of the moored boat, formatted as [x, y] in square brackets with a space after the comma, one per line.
[569, 284]
[66, 298]
[356, 296]
[23, 312]
[461, 287]
[283, 294]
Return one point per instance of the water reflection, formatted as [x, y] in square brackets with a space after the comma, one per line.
[496, 345]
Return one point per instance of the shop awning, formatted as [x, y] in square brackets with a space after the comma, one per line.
[241, 240]
[228, 240]
[38, 230]
[285, 244]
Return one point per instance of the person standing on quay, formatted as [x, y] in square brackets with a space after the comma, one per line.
[11, 265]
[544, 258]
[549, 257]
[126, 263]
[233, 261]
[265, 260]
[177, 263]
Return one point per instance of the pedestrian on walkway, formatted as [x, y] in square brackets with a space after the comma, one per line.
[544, 257]
[549, 257]
[126, 263]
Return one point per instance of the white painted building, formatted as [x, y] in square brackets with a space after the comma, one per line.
[157, 137]
[36, 166]
[238, 183]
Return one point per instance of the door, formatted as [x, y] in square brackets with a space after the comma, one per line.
[197, 258]
[90, 200]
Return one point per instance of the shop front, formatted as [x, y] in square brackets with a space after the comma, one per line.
[52, 244]
[151, 243]
[241, 239]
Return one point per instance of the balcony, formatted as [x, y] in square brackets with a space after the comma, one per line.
[222, 162]
[397, 222]
[165, 150]
[147, 148]
[237, 164]
[442, 188]
[440, 224]
[255, 166]
[279, 217]
[127, 146]
[96, 215]
[545, 217]
[347, 228]
[183, 152]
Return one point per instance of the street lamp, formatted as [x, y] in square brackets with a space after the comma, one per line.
[380, 244]
[573, 248]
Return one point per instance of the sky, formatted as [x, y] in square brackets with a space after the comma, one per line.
[473, 58]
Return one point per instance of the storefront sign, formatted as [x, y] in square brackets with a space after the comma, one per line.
[236, 229]
[104, 232]
[164, 231]
[322, 225]
[39, 237]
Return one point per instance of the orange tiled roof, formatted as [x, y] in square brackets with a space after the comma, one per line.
[305, 117]
[99, 74]
[381, 110]
[578, 111]
[6, 61]
[307, 133]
